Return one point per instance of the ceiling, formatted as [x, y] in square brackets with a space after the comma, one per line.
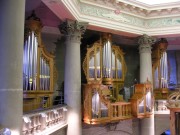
[53, 12]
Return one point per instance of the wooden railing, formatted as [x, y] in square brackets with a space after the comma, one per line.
[120, 110]
[44, 121]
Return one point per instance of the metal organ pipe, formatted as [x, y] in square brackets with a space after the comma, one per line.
[30, 62]
[30, 66]
[107, 59]
[44, 74]
[119, 67]
[164, 71]
[98, 64]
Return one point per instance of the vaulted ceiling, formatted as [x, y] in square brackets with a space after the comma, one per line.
[126, 18]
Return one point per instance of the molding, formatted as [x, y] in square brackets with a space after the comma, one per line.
[151, 7]
[126, 18]
[163, 31]
[136, 8]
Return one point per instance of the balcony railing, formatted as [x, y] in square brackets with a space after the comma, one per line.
[120, 110]
[44, 122]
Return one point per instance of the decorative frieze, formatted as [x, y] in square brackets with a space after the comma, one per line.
[162, 22]
[135, 7]
[111, 14]
[131, 14]
[132, 17]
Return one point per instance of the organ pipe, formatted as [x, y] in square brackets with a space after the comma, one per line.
[30, 62]
[107, 59]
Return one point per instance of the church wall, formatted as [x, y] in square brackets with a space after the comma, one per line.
[132, 61]
[177, 54]
[174, 68]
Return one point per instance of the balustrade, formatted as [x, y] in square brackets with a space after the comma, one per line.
[120, 110]
[44, 121]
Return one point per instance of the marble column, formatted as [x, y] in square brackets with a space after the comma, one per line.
[145, 42]
[11, 58]
[72, 77]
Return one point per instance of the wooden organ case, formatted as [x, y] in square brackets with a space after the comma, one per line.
[38, 68]
[142, 100]
[160, 69]
[173, 104]
[105, 69]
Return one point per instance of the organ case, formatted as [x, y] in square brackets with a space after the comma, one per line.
[142, 100]
[105, 69]
[38, 68]
[160, 69]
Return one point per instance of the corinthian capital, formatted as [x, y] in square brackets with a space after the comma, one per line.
[73, 29]
[145, 43]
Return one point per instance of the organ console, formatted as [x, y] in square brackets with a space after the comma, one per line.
[38, 68]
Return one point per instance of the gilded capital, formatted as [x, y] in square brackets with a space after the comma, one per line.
[73, 29]
[145, 43]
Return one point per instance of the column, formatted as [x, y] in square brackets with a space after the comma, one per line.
[145, 42]
[11, 58]
[72, 77]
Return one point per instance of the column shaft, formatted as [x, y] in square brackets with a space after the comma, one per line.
[145, 67]
[72, 76]
[147, 124]
[11, 58]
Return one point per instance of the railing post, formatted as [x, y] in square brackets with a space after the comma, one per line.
[43, 121]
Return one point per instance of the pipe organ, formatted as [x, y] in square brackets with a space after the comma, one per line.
[105, 69]
[160, 69]
[104, 63]
[38, 68]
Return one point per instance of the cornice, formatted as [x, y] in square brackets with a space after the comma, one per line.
[115, 16]
[137, 9]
